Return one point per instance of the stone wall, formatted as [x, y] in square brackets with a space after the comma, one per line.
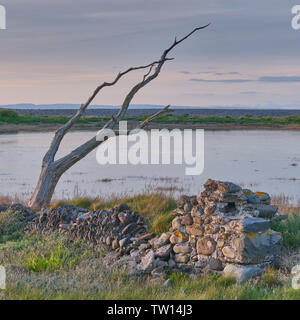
[224, 229]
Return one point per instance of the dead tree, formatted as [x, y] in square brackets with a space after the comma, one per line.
[53, 169]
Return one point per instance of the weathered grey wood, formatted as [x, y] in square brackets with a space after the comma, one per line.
[53, 169]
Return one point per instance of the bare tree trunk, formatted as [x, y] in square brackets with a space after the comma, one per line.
[45, 187]
[53, 169]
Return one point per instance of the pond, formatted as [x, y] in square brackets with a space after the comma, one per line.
[261, 160]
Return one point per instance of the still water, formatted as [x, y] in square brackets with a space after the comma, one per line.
[260, 160]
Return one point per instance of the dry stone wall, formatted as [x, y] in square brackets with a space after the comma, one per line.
[223, 229]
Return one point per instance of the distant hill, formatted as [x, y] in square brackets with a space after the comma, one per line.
[58, 106]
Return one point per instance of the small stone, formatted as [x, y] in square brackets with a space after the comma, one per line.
[125, 217]
[207, 220]
[108, 241]
[167, 283]
[164, 252]
[254, 225]
[197, 211]
[228, 187]
[183, 247]
[144, 246]
[193, 200]
[181, 258]
[187, 219]
[206, 246]
[215, 264]
[197, 220]
[220, 243]
[64, 226]
[195, 230]
[144, 238]
[123, 242]
[171, 263]
[266, 211]
[210, 210]
[187, 207]
[134, 253]
[121, 207]
[228, 252]
[130, 228]
[211, 229]
[162, 240]
[147, 262]
[174, 239]
[184, 199]
[242, 273]
[160, 263]
[115, 244]
[176, 223]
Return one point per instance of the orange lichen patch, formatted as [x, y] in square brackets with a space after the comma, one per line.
[251, 235]
[180, 236]
[260, 194]
[247, 192]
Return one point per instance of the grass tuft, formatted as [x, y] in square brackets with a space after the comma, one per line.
[11, 226]
[290, 230]
[57, 260]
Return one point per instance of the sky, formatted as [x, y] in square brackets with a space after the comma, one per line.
[58, 51]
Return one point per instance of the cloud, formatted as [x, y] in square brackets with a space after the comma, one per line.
[271, 79]
[249, 92]
[280, 79]
[226, 73]
[221, 80]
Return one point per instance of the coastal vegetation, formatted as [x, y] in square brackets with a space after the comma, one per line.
[12, 117]
[50, 266]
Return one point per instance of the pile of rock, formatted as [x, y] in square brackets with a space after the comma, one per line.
[225, 229]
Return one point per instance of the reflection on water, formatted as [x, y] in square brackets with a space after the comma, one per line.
[261, 160]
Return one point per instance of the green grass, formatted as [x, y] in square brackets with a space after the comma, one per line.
[6, 113]
[245, 120]
[290, 230]
[11, 117]
[57, 260]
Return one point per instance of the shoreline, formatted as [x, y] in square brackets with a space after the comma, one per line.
[17, 128]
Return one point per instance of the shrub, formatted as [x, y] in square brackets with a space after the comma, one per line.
[290, 230]
[57, 260]
[6, 113]
[161, 223]
[11, 226]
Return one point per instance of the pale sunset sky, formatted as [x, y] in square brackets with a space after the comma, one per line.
[58, 51]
